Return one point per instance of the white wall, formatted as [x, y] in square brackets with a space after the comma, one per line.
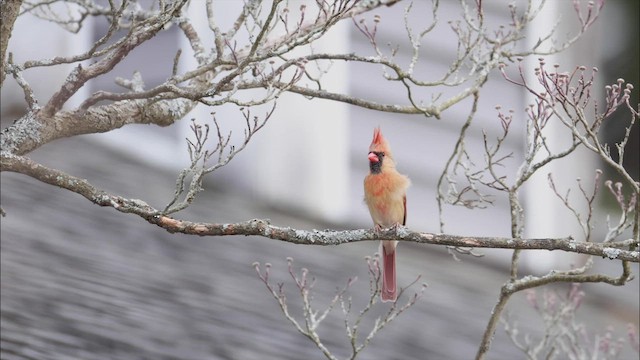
[546, 215]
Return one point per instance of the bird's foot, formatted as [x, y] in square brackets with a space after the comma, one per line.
[397, 228]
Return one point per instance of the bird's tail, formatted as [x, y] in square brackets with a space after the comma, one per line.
[389, 290]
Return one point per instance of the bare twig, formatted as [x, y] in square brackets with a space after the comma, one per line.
[564, 336]
[200, 155]
[312, 318]
[564, 98]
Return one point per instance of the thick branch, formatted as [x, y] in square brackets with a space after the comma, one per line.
[9, 11]
[334, 237]
[33, 130]
[262, 228]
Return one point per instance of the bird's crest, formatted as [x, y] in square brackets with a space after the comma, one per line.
[379, 143]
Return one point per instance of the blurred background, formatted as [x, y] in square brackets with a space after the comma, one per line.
[79, 281]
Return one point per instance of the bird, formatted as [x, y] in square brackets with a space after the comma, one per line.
[385, 193]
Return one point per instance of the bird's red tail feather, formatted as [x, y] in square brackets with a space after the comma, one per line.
[389, 291]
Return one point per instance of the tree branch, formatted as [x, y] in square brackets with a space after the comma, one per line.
[9, 11]
[256, 227]
[33, 130]
[337, 237]
[79, 75]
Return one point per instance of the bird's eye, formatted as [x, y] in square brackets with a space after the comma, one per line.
[381, 154]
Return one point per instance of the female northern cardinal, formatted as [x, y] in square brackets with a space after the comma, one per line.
[385, 194]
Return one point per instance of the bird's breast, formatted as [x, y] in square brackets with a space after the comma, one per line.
[384, 195]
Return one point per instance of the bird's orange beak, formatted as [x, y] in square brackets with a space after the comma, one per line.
[373, 157]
